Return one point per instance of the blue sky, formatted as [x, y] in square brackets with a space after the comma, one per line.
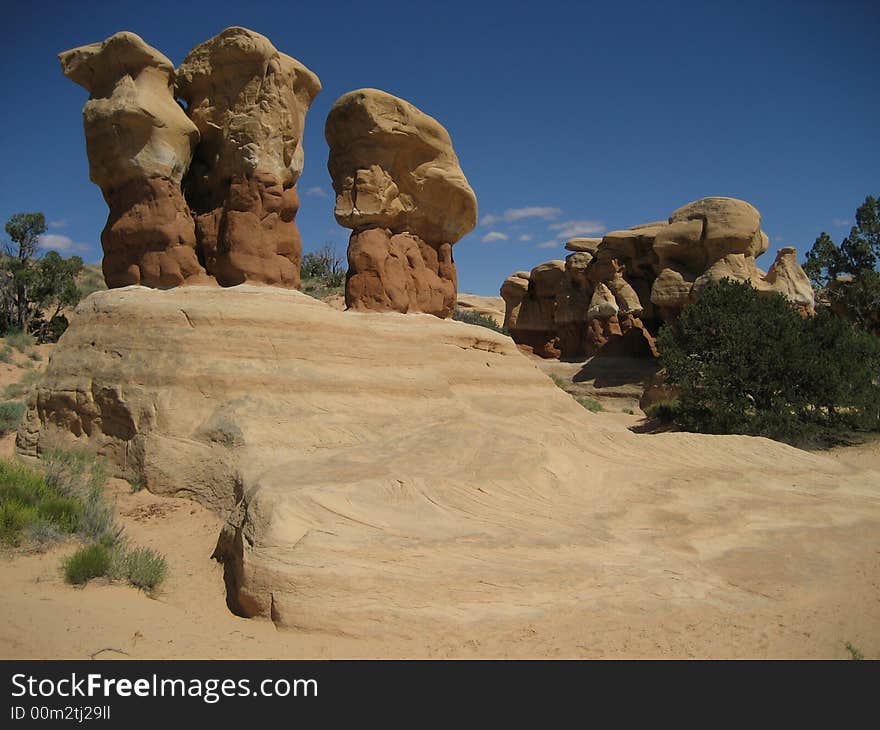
[567, 117]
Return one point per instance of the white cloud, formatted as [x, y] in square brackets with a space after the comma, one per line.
[511, 215]
[570, 229]
[549, 244]
[318, 192]
[515, 214]
[841, 222]
[525, 237]
[60, 223]
[58, 242]
[494, 236]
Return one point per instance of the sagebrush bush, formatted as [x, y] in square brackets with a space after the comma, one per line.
[22, 387]
[6, 354]
[66, 498]
[142, 567]
[10, 415]
[90, 561]
[73, 472]
[591, 404]
[21, 341]
[749, 363]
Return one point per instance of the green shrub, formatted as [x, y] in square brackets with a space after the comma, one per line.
[591, 404]
[35, 356]
[29, 504]
[22, 387]
[15, 516]
[10, 415]
[469, 316]
[91, 561]
[41, 534]
[67, 498]
[664, 411]
[62, 512]
[21, 341]
[75, 472]
[21, 483]
[136, 481]
[142, 567]
[324, 267]
[854, 652]
[6, 354]
[629, 411]
[748, 363]
[560, 382]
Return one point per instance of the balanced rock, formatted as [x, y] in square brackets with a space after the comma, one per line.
[139, 144]
[400, 188]
[249, 102]
[615, 293]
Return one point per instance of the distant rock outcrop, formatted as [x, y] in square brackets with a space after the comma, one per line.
[615, 291]
[207, 194]
[400, 188]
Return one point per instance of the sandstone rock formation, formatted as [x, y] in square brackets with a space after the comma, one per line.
[400, 188]
[249, 102]
[139, 143]
[617, 290]
[203, 194]
[376, 476]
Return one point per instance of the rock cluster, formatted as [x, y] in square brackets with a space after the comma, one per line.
[207, 194]
[610, 293]
[400, 188]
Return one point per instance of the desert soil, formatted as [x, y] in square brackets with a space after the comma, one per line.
[677, 573]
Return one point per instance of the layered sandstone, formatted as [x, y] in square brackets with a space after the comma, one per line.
[616, 291]
[391, 475]
[139, 144]
[401, 190]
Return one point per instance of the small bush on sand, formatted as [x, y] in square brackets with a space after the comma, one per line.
[90, 561]
[15, 516]
[6, 354]
[142, 567]
[591, 404]
[21, 341]
[10, 414]
[22, 387]
[21, 492]
[629, 411]
[469, 316]
[73, 472]
[854, 652]
[66, 498]
[35, 356]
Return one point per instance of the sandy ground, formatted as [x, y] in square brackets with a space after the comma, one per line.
[670, 578]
